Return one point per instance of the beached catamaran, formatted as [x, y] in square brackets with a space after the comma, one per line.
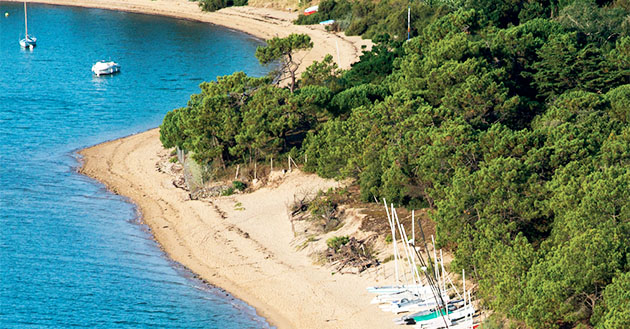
[402, 290]
[29, 41]
[430, 304]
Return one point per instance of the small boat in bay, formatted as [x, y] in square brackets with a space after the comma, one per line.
[29, 41]
[105, 68]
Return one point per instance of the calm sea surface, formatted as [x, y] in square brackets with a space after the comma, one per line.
[72, 254]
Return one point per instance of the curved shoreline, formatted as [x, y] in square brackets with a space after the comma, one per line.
[261, 23]
[242, 243]
[248, 253]
[97, 162]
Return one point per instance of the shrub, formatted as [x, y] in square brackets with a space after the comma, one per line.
[337, 242]
[357, 27]
[239, 185]
[214, 5]
[228, 191]
[211, 5]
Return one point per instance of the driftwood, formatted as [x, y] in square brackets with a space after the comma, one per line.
[299, 208]
[351, 257]
[300, 204]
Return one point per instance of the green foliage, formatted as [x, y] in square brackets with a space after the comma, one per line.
[283, 49]
[267, 117]
[374, 65]
[502, 13]
[621, 54]
[278, 48]
[325, 74]
[614, 310]
[566, 64]
[227, 192]
[354, 97]
[239, 185]
[566, 287]
[598, 24]
[337, 242]
[214, 5]
[619, 99]
[236, 118]
[509, 119]
[370, 19]
[172, 129]
[494, 321]
[514, 137]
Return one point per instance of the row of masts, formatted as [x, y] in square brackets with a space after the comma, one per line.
[428, 293]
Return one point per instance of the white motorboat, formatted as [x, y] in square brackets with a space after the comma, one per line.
[105, 68]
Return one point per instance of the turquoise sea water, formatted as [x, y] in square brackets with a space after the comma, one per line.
[72, 254]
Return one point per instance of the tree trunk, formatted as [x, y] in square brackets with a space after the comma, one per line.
[291, 71]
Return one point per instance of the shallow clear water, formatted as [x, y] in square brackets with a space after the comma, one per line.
[72, 254]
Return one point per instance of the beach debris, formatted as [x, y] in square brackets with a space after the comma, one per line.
[218, 210]
[300, 204]
[354, 256]
[322, 211]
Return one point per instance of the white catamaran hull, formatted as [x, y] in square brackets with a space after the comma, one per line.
[28, 42]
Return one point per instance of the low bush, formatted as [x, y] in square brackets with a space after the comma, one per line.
[214, 5]
[337, 242]
[228, 191]
[239, 185]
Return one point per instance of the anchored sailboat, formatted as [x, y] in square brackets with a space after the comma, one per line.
[28, 41]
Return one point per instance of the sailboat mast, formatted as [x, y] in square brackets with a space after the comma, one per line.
[25, 21]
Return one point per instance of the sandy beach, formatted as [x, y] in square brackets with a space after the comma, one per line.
[262, 23]
[242, 243]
